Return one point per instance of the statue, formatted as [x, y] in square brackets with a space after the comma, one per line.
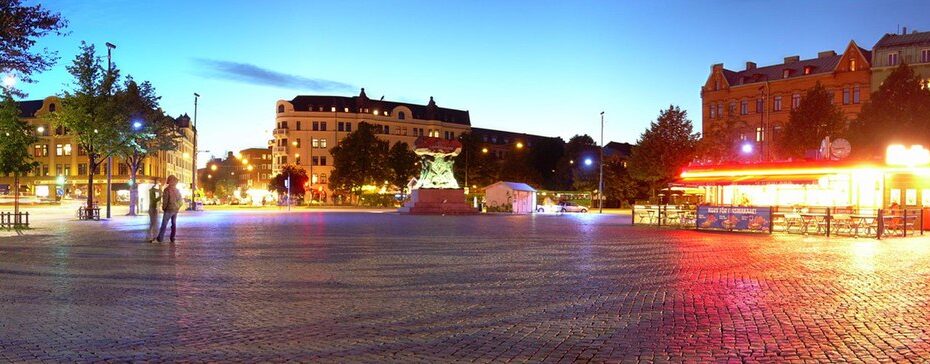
[436, 191]
[437, 156]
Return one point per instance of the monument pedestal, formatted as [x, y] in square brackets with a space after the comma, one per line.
[438, 201]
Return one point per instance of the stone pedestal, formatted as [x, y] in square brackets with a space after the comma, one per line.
[438, 201]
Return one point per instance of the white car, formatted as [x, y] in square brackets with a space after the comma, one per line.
[566, 206]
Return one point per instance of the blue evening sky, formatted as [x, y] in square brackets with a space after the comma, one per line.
[540, 67]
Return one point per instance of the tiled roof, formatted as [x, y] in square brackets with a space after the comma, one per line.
[28, 109]
[355, 103]
[898, 40]
[775, 72]
[508, 136]
[623, 149]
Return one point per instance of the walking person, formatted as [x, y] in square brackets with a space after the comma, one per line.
[154, 199]
[171, 204]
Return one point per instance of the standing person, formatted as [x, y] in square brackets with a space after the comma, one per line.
[154, 199]
[171, 204]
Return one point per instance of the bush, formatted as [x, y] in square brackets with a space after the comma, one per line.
[377, 200]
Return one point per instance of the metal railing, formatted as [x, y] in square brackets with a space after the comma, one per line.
[10, 220]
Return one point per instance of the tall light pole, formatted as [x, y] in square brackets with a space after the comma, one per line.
[110, 48]
[600, 183]
[194, 159]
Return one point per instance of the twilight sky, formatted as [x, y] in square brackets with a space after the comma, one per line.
[540, 67]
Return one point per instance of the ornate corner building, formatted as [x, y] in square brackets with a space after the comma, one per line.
[63, 166]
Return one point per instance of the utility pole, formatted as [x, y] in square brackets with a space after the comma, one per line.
[288, 191]
[600, 184]
[110, 48]
[194, 159]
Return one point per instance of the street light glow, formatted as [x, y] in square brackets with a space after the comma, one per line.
[40, 129]
[588, 161]
[212, 167]
[519, 145]
[136, 125]
[746, 148]
[9, 81]
[484, 150]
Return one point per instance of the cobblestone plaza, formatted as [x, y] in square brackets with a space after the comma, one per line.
[383, 287]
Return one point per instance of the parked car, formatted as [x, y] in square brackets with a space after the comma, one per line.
[564, 206]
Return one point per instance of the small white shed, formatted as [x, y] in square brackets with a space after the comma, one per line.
[515, 197]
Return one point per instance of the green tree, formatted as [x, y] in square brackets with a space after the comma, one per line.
[813, 120]
[720, 142]
[619, 186]
[20, 27]
[402, 165]
[898, 112]
[572, 172]
[146, 128]
[483, 169]
[517, 166]
[298, 180]
[545, 155]
[358, 160]
[91, 112]
[664, 149]
[15, 139]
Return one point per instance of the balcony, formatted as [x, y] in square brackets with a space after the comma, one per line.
[280, 131]
[280, 150]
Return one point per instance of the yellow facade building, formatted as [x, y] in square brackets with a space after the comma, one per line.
[63, 166]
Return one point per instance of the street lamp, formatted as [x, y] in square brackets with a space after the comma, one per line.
[41, 130]
[587, 161]
[110, 48]
[194, 159]
[746, 148]
[600, 183]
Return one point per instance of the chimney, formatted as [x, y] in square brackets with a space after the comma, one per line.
[792, 59]
[750, 66]
[826, 54]
[716, 66]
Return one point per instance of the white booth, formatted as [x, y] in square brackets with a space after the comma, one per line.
[515, 197]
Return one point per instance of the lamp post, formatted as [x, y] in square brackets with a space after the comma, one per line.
[110, 48]
[193, 206]
[600, 183]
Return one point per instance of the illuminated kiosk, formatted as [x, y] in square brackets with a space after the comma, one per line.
[864, 187]
[437, 191]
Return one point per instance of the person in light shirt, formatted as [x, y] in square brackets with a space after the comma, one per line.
[171, 204]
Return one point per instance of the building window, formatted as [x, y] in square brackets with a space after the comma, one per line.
[323, 143]
[40, 150]
[719, 109]
[852, 64]
[315, 126]
[280, 109]
[795, 101]
[298, 125]
[760, 105]
[712, 111]
[892, 59]
[52, 107]
[297, 143]
[925, 56]
[387, 129]
[785, 73]
[322, 126]
[45, 169]
[855, 94]
[732, 109]
[401, 115]
[59, 150]
[846, 96]
[315, 143]
[122, 169]
[323, 160]
[744, 107]
[340, 126]
[283, 159]
[58, 169]
[760, 134]
[807, 70]
[323, 179]
[777, 106]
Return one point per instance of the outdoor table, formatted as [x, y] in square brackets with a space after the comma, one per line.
[865, 221]
[809, 219]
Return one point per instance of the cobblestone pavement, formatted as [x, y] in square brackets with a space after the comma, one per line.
[344, 286]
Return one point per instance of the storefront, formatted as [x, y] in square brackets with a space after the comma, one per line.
[860, 198]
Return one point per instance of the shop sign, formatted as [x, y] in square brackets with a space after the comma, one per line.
[733, 218]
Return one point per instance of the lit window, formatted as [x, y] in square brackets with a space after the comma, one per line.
[852, 64]
[760, 134]
[713, 111]
[807, 70]
[785, 73]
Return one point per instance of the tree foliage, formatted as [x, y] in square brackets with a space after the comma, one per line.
[91, 111]
[20, 27]
[402, 165]
[814, 119]
[898, 112]
[720, 142]
[619, 186]
[482, 167]
[358, 160]
[16, 137]
[664, 149]
[298, 177]
[572, 171]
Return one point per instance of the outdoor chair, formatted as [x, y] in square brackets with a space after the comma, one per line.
[842, 224]
[794, 220]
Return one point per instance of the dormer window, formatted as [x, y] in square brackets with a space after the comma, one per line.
[808, 69]
[280, 109]
[401, 115]
[785, 73]
[51, 107]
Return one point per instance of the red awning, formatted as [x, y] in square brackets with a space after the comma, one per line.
[801, 179]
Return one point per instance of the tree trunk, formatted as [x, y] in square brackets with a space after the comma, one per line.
[16, 196]
[90, 180]
[134, 188]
